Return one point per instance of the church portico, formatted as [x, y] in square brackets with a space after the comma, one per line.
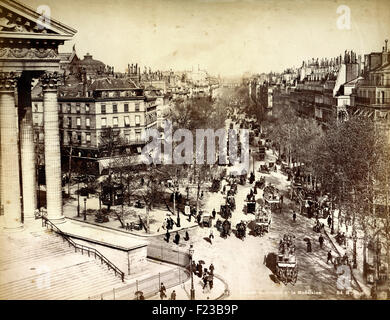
[28, 51]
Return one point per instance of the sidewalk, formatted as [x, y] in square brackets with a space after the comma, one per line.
[156, 218]
[183, 291]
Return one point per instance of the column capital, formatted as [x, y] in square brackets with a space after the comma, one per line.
[50, 80]
[9, 80]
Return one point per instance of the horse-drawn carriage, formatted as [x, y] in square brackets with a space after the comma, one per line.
[260, 183]
[231, 202]
[272, 197]
[223, 227]
[215, 185]
[241, 230]
[251, 206]
[207, 220]
[264, 169]
[286, 264]
[263, 220]
[225, 212]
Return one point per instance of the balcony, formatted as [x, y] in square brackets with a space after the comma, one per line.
[372, 101]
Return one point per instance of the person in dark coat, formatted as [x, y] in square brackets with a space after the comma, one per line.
[162, 291]
[173, 295]
[177, 238]
[211, 268]
[308, 246]
[167, 236]
[187, 236]
[330, 258]
[214, 213]
[294, 216]
[321, 241]
[198, 218]
[329, 221]
[200, 270]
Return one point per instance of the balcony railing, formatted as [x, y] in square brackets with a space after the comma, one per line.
[370, 101]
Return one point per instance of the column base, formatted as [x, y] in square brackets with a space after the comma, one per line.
[58, 220]
[19, 228]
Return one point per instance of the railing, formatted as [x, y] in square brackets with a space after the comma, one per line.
[149, 286]
[83, 248]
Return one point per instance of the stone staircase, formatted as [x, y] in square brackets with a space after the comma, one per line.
[41, 266]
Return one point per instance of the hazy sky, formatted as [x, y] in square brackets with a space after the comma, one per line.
[226, 37]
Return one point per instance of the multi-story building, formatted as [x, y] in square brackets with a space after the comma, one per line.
[88, 104]
[372, 93]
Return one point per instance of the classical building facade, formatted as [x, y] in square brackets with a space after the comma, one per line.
[28, 51]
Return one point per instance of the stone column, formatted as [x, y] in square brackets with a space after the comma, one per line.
[9, 153]
[27, 149]
[52, 148]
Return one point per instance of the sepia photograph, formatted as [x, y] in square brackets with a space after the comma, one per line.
[208, 150]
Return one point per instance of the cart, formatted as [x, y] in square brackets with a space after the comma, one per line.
[251, 207]
[207, 220]
[286, 264]
[263, 219]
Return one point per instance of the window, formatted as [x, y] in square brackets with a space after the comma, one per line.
[137, 120]
[69, 108]
[60, 107]
[127, 121]
[36, 107]
[137, 106]
[78, 107]
[115, 121]
[104, 122]
[87, 108]
[126, 107]
[88, 137]
[103, 108]
[138, 135]
[70, 136]
[127, 136]
[115, 108]
[69, 122]
[78, 122]
[88, 122]
[79, 137]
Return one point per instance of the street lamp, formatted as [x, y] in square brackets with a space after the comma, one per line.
[192, 291]
[354, 237]
[85, 209]
[178, 211]
[78, 197]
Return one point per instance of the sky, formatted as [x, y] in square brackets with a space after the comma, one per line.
[224, 37]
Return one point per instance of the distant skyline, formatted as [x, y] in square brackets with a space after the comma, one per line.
[226, 37]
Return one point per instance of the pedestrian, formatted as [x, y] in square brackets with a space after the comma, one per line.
[187, 236]
[308, 245]
[177, 238]
[294, 216]
[200, 270]
[211, 234]
[329, 221]
[198, 217]
[281, 199]
[204, 280]
[211, 268]
[321, 241]
[167, 236]
[214, 213]
[330, 258]
[162, 291]
[173, 295]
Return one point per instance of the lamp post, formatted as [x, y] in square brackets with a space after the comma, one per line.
[178, 211]
[85, 209]
[78, 197]
[192, 291]
[354, 237]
